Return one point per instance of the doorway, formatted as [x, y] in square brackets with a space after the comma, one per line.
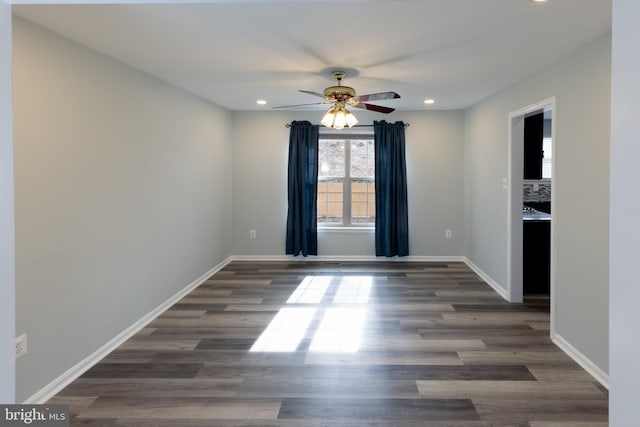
[515, 202]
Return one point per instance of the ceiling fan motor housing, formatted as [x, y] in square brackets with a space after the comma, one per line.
[342, 96]
[339, 93]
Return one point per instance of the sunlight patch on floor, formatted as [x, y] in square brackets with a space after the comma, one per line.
[340, 327]
[285, 331]
[340, 331]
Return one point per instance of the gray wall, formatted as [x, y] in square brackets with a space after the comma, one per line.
[434, 149]
[7, 251]
[581, 84]
[625, 205]
[122, 193]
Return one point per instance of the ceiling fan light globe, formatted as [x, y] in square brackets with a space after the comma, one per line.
[328, 118]
[351, 119]
[340, 120]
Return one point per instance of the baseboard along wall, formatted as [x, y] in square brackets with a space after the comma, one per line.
[76, 371]
[84, 365]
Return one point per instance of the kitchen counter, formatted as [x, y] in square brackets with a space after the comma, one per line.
[530, 214]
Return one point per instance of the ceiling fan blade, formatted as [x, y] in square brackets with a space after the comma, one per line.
[372, 107]
[377, 96]
[312, 93]
[299, 105]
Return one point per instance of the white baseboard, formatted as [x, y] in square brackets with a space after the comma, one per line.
[347, 258]
[84, 365]
[484, 276]
[582, 360]
[80, 368]
[564, 345]
[73, 373]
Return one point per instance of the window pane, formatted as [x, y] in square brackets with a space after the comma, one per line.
[331, 158]
[330, 201]
[546, 160]
[363, 202]
[362, 159]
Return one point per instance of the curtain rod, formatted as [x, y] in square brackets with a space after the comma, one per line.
[288, 125]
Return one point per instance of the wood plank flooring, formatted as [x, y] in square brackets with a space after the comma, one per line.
[406, 344]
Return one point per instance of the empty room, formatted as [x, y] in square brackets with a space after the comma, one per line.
[320, 213]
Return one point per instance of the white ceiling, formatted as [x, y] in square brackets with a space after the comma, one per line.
[232, 53]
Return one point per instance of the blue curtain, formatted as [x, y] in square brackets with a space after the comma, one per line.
[392, 223]
[302, 234]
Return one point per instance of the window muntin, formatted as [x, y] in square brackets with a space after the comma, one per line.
[346, 180]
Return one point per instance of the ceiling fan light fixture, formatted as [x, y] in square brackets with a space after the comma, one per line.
[327, 119]
[351, 118]
[338, 117]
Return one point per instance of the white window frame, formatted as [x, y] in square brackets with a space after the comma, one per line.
[348, 138]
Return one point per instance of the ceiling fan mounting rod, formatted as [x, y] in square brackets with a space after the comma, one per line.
[339, 75]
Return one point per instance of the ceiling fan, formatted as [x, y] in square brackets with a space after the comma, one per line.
[338, 116]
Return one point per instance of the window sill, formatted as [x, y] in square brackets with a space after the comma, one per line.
[341, 229]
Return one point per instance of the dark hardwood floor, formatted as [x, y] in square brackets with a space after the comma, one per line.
[341, 344]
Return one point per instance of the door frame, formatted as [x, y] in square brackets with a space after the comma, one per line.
[514, 202]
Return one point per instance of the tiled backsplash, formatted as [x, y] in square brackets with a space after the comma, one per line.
[542, 195]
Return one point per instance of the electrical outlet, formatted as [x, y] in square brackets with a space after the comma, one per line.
[21, 345]
[252, 234]
[448, 233]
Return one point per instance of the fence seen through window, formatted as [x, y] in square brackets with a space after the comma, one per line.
[346, 186]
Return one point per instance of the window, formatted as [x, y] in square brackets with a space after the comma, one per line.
[546, 158]
[346, 186]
